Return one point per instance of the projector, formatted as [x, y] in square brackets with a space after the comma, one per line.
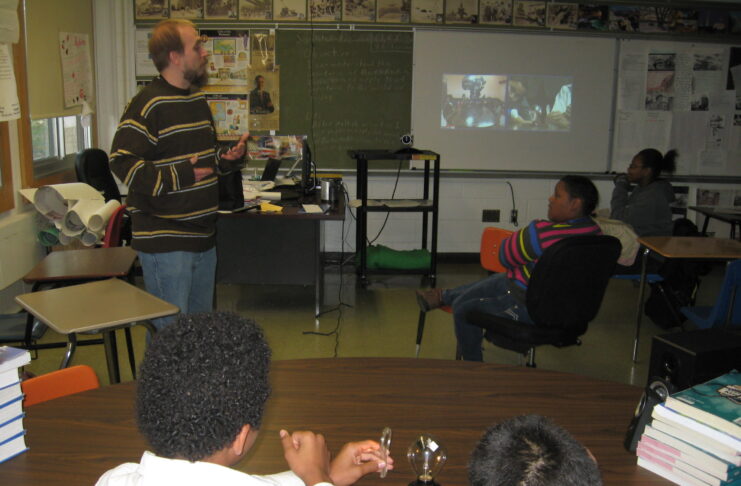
[407, 139]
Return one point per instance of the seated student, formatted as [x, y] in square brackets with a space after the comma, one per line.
[573, 200]
[531, 451]
[200, 400]
[647, 207]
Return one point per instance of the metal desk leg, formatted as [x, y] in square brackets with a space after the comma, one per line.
[71, 346]
[639, 310]
[111, 356]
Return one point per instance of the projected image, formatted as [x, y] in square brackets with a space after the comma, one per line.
[506, 102]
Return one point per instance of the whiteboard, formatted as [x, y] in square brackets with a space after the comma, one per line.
[589, 61]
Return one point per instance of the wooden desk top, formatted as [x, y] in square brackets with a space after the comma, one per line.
[293, 210]
[699, 247]
[93, 306]
[85, 264]
[726, 215]
[73, 440]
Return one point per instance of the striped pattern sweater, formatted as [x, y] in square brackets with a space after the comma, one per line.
[162, 128]
[521, 251]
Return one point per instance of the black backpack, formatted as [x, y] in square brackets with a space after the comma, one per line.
[679, 288]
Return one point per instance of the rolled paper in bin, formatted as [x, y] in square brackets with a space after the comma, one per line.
[48, 236]
[99, 219]
[90, 238]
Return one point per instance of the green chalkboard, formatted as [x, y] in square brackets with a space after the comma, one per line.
[345, 90]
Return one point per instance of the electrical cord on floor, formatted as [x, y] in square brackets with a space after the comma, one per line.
[393, 194]
[513, 217]
[338, 308]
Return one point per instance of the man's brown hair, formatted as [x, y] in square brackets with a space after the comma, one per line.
[166, 39]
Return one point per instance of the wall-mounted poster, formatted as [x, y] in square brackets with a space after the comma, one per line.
[221, 9]
[592, 17]
[265, 100]
[230, 112]
[325, 10]
[462, 12]
[229, 58]
[562, 16]
[151, 9]
[255, 9]
[495, 12]
[186, 9]
[624, 18]
[289, 10]
[393, 11]
[427, 11]
[359, 11]
[529, 14]
[263, 49]
[77, 73]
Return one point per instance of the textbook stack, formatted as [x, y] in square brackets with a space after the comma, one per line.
[12, 433]
[695, 436]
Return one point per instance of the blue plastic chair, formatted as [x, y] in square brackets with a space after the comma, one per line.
[705, 317]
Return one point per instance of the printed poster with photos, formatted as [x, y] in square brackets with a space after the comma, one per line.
[263, 49]
[256, 9]
[325, 10]
[563, 16]
[151, 9]
[221, 9]
[462, 12]
[230, 113]
[495, 12]
[289, 10]
[359, 11]
[228, 60]
[264, 100]
[427, 11]
[77, 73]
[529, 14]
[393, 11]
[186, 9]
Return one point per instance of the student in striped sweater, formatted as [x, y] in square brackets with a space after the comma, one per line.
[165, 151]
[569, 209]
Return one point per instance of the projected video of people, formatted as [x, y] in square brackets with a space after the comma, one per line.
[506, 102]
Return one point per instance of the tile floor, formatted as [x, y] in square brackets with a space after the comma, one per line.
[381, 320]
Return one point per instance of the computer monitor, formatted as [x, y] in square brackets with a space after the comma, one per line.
[308, 184]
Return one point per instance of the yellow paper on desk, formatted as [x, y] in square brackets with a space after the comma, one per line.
[270, 208]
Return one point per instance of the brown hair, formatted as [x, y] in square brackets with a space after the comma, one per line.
[166, 39]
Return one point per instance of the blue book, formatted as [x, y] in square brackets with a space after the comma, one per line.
[716, 403]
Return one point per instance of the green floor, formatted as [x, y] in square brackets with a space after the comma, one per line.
[381, 320]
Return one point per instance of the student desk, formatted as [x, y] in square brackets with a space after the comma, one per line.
[710, 212]
[689, 247]
[101, 306]
[264, 248]
[74, 439]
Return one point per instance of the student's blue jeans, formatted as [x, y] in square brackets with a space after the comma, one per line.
[491, 295]
[182, 278]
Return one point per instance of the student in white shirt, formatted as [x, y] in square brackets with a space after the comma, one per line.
[200, 400]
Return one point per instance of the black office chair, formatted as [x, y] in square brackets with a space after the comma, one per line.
[563, 296]
[91, 166]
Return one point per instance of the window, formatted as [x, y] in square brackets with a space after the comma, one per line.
[55, 142]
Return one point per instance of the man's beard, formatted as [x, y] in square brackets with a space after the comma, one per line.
[196, 77]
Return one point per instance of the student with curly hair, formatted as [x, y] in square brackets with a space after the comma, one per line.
[531, 451]
[200, 401]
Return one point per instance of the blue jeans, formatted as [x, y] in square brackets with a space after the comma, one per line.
[182, 278]
[491, 295]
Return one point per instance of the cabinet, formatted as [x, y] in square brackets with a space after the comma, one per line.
[427, 206]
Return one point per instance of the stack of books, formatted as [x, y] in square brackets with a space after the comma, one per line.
[12, 433]
[695, 436]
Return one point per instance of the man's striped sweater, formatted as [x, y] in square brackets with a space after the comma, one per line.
[161, 130]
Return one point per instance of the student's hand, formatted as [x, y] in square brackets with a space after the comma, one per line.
[621, 179]
[307, 455]
[238, 150]
[355, 460]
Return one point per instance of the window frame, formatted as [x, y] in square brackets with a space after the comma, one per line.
[7, 202]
